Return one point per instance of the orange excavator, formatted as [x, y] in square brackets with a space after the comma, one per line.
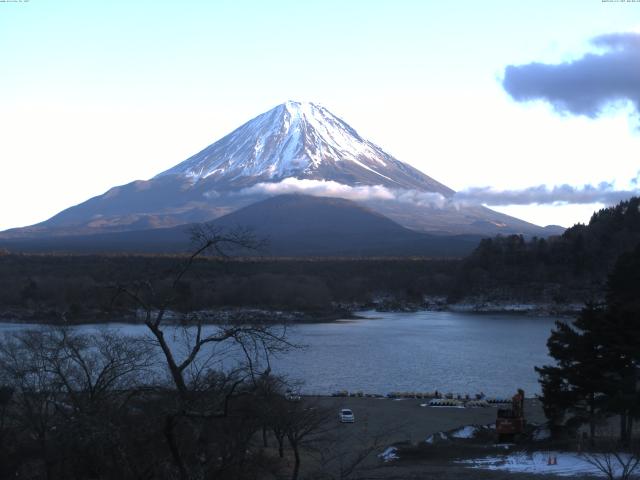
[510, 421]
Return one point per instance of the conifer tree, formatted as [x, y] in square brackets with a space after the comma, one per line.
[598, 357]
[622, 337]
[576, 386]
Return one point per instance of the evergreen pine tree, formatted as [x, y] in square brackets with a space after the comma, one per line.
[574, 389]
[622, 338]
[598, 358]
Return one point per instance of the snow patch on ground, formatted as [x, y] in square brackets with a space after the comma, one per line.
[436, 437]
[468, 431]
[389, 455]
[566, 464]
[482, 305]
[465, 432]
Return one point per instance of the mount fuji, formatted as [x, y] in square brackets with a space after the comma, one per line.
[303, 141]
[295, 148]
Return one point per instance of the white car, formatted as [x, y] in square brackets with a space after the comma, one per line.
[346, 416]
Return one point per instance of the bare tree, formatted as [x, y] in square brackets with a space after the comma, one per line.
[6, 394]
[89, 405]
[303, 424]
[352, 454]
[614, 461]
[355, 460]
[254, 340]
[271, 393]
[204, 392]
[93, 370]
[66, 389]
[36, 391]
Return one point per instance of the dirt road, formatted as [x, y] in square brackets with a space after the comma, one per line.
[385, 421]
[406, 420]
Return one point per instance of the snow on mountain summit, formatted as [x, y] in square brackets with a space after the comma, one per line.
[296, 147]
[301, 140]
[292, 138]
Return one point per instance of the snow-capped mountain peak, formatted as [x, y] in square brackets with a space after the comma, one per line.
[295, 147]
[300, 140]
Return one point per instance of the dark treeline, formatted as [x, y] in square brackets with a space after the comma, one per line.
[81, 287]
[570, 267]
[108, 406]
[596, 373]
[184, 401]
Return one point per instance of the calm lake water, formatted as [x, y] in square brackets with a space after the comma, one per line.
[424, 351]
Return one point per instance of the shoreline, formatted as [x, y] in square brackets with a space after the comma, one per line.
[223, 315]
[481, 306]
[209, 317]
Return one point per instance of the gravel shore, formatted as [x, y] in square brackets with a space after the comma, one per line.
[386, 421]
[406, 420]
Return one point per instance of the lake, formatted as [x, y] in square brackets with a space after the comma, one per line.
[422, 351]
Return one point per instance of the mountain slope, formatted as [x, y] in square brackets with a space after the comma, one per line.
[304, 141]
[292, 225]
[295, 147]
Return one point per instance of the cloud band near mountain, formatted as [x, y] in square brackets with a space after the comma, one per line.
[320, 188]
[604, 193]
[329, 188]
[585, 86]
[541, 195]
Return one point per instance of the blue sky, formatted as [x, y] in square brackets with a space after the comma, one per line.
[95, 94]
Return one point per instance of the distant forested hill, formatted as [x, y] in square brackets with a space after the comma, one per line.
[570, 267]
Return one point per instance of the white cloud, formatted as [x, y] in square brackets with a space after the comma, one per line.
[329, 188]
[321, 188]
[604, 192]
[423, 199]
